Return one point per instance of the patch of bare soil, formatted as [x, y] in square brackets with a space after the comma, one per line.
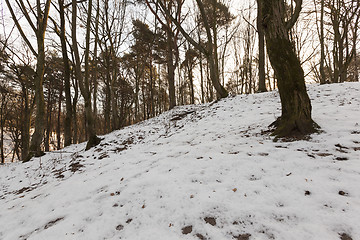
[181, 115]
[210, 220]
[344, 236]
[24, 189]
[53, 222]
[200, 236]
[75, 166]
[244, 236]
[186, 230]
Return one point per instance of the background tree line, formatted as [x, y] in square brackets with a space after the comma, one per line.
[73, 69]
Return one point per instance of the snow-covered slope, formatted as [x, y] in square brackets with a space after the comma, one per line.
[198, 172]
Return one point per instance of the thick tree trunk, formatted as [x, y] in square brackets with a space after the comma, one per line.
[295, 120]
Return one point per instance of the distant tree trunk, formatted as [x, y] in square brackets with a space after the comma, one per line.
[95, 77]
[74, 111]
[84, 80]
[25, 123]
[2, 118]
[322, 45]
[58, 127]
[261, 36]
[68, 116]
[210, 50]
[171, 69]
[192, 92]
[295, 120]
[48, 121]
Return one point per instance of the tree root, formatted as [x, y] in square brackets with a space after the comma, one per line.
[292, 130]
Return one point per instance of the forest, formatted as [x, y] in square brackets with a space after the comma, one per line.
[73, 70]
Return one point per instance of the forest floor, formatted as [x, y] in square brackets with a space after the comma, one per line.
[207, 171]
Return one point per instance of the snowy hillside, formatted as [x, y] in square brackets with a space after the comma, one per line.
[198, 172]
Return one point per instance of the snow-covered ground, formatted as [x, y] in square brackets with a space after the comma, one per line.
[198, 172]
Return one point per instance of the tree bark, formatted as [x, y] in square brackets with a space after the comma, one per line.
[171, 69]
[295, 120]
[84, 80]
[322, 45]
[261, 36]
[68, 116]
[25, 125]
[37, 137]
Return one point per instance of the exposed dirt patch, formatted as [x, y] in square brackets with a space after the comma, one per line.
[181, 115]
[340, 146]
[75, 166]
[186, 230]
[24, 189]
[323, 154]
[53, 222]
[210, 220]
[119, 227]
[200, 236]
[120, 149]
[102, 156]
[244, 236]
[342, 193]
[59, 173]
[344, 236]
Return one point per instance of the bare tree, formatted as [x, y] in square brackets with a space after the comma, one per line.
[83, 79]
[295, 120]
[39, 27]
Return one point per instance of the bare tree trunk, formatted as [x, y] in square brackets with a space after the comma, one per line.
[48, 121]
[39, 29]
[25, 124]
[84, 81]
[171, 70]
[261, 36]
[295, 120]
[58, 128]
[74, 111]
[68, 116]
[322, 45]
[2, 127]
[95, 80]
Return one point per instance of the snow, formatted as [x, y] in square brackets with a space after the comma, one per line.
[198, 172]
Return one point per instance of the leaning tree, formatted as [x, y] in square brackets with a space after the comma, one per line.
[295, 120]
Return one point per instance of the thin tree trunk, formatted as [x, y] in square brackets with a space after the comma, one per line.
[48, 122]
[84, 81]
[68, 107]
[261, 36]
[2, 128]
[171, 69]
[25, 124]
[322, 45]
[58, 128]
